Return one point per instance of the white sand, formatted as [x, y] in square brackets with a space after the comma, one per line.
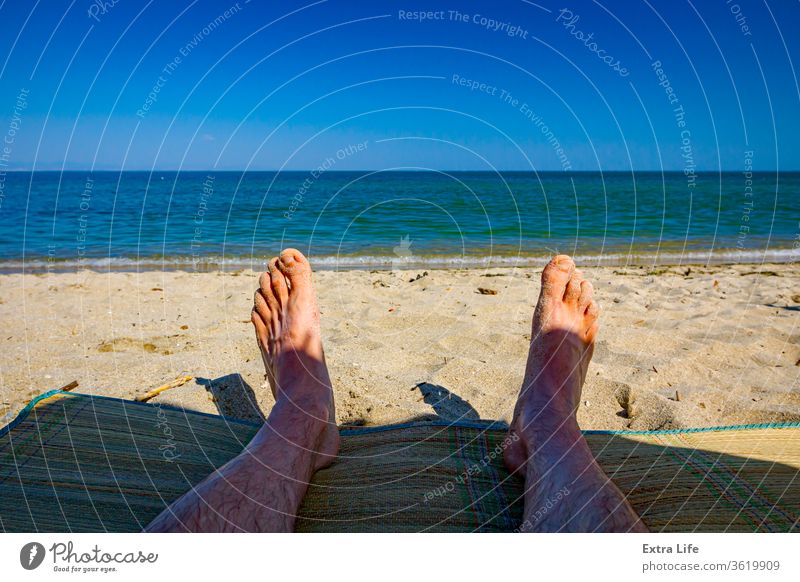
[725, 339]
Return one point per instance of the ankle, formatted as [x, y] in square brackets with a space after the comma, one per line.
[302, 406]
[550, 440]
[562, 453]
[547, 422]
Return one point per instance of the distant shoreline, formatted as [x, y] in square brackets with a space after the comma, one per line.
[392, 171]
[205, 264]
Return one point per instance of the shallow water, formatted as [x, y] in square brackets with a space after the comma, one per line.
[190, 220]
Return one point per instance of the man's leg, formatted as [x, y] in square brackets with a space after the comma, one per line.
[565, 488]
[261, 489]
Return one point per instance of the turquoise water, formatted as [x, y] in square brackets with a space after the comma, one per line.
[206, 219]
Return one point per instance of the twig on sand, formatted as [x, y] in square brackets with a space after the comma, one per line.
[156, 391]
[71, 386]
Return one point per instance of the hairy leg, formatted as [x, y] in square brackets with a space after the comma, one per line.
[565, 488]
[261, 489]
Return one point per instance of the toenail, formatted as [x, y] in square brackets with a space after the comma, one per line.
[564, 264]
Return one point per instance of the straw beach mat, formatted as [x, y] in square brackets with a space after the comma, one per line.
[72, 462]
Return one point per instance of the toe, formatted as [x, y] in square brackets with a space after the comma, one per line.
[592, 310]
[278, 282]
[262, 307]
[269, 295]
[591, 333]
[587, 292]
[295, 268]
[261, 327]
[264, 280]
[556, 275]
[573, 291]
[590, 320]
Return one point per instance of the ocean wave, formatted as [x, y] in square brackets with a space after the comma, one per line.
[336, 262]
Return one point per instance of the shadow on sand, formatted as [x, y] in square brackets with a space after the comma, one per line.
[446, 404]
[233, 397]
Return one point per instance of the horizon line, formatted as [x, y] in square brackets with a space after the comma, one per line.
[398, 170]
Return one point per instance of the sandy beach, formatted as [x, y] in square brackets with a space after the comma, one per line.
[678, 346]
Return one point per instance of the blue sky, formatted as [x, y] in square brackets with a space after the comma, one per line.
[512, 85]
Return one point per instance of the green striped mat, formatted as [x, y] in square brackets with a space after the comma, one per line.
[79, 463]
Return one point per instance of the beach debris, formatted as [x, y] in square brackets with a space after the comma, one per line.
[797, 363]
[715, 284]
[391, 309]
[701, 404]
[156, 289]
[486, 291]
[418, 277]
[655, 370]
[184, 327]
[763, 273]
[379, 283]
[71, 386]
[586, 403]
[180, 381]
[796, 298]
[687, 272]
[677, 396]
[617, 300]
[625, 398]
[493, 275]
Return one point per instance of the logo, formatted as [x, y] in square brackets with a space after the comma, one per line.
[31, 555]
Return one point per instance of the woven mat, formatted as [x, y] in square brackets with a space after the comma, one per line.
[72, 462]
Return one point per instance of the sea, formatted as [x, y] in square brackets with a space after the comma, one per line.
[208, 220]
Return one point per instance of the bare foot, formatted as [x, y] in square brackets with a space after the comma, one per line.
[565, 488]
[261, 489]
[562, 341]
[286, 320]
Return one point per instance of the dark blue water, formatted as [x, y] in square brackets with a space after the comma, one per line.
[362, 218]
